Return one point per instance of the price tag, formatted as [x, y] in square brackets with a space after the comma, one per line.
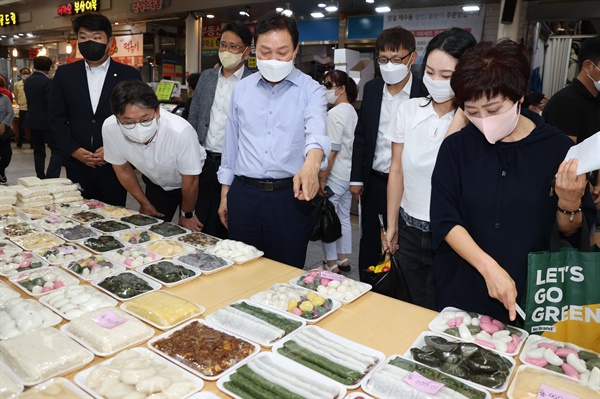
[423, 384]
[109, 320]
[69, 249]
[54, 219]
[548, 392]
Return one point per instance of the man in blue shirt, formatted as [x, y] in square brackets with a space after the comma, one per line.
[275, 144]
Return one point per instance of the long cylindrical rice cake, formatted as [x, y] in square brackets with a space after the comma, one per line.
[246, 325]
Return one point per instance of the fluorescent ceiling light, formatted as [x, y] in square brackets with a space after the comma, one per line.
[383, 9]
[29, 35]
[321, 5]
[370, 1]
[279, 9]
[244, 13]
[209, 16]
[331, 6]
[317, 15]
[470, 8]
[287, 13]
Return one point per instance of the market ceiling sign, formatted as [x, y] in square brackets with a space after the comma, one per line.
[149, 5]
[8, 18]
[78, 7]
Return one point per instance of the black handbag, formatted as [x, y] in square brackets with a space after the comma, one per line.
[8, 134]
[326, 223]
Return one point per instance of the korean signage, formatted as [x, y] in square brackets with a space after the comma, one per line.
[210, 35]
[78, 7]
[127, 49]
[146, 5]
[8, 18]
[425, 23]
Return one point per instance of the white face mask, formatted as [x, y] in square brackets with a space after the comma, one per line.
[596, 83]
[331, 97]
[274, 70]
[394, 73]
[439, 90]
[140, 134]
[230, 60]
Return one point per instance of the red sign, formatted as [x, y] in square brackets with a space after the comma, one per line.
[78, 7]
[146, 5]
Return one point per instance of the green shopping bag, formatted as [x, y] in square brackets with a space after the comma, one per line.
[563, 293]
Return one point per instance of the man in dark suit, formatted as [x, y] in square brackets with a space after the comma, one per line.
[37, 91]
[371, 154]
[208, 114]
[79, 104]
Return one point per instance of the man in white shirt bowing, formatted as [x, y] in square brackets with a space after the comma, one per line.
[162, 146]
[275, 144]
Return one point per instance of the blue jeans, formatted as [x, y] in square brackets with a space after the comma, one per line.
[415, 257]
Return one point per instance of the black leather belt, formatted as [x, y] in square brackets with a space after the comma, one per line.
[213, 156]
[268, 184]
[379, 175]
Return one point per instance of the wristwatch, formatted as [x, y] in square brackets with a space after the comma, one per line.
[188, 215]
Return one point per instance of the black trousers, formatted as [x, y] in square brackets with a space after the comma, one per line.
[374, 202]
[165, 202]
[39, 139]
[5, 155]
[209, 198]
[21, 132]
[273, 221]
[99, 183]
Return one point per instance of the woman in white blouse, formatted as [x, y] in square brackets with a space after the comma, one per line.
[341, 122]
[416, 133]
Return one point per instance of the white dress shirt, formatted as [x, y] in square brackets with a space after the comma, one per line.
[418, 126]
[219, 110]
[341, 123]
[389, 105]
[95, 79]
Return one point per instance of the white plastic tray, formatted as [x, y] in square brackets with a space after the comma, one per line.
[64, 277]
[44, 389]
[124, 233]
[49, 319]
[8, 247]
[92, 232]
[114, 255]
[173, 236]
[125, 307]
[84, 243]
[46, 340]
[290, 368]
[438, 320]
[572, 388]
[187, 248]
[124, 226]
[365, 287]
[7, 293]
[211, 240]
[53, 222]
[50, 238]
[143, 225]
[106, 301]
[31, 225]
[114, 269]
[34, 258]
[77, 253]
[147, 331]
[365, 386]
[64, 208]
[196, 272]
[155, 286]
[30, 212]
[260, 295]
[116, 212]
[76, 216]
[191, 370]
[420, 343]
[244, 334]
[211, 250]
[330, 338]
[206, 272]
[532, 343]
[7, 373]
[81, 377]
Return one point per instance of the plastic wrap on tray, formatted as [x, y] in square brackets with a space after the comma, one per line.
[20, 229]
[199, 240]
[59, 388]
[54, 222]
[332, 285]
[169, 272]
[18, 316]
[126, 285]
[86, 216]
[116, 211]
[168, 248]
[76, 300]
[206, 262]
[137, 236]
[109, 226]
[63, 208]
[138, 373]
[7, 293]
[20, 262]
[162, 309]
[33, 241]
[8, 248]
[133, 257]
[93, 267]
[108, 330]
[42, 281]
[53, 354]
[103, 243]
[75, 233]
[168, 229]
[534, 383]
[203, 349]
[62, 253]
[238, 251]
[140, 220]
[10, 387]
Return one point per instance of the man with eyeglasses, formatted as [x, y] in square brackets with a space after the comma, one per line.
[162, 146]
[208, 115]
[372, 153]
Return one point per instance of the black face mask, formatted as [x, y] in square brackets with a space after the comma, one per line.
[91, 50]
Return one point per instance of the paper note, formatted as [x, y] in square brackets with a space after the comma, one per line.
[548, 392]
[588, 154]
[109, 320]
[423, 384]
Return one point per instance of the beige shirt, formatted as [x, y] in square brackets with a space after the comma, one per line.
[20, 95]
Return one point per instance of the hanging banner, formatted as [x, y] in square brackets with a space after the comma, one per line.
[128, 50]
[210, 35]
[425, 23]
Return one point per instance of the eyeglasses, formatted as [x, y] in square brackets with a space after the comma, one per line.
[329, 85]
[130, 126]
[395, 60]
[233, 47]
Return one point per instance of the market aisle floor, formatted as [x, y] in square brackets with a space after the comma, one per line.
[22, 166]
